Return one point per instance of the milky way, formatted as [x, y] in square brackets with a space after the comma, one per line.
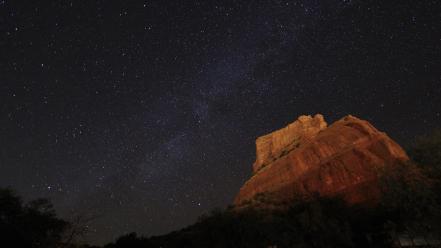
[143, 114]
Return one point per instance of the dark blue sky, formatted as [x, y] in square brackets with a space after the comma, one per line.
[143, 114]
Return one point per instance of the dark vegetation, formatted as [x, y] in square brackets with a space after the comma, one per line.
[410, 205]
[33, 224]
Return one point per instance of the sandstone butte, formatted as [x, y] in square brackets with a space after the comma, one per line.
[308, 158]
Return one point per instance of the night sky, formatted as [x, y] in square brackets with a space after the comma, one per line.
[143, 114]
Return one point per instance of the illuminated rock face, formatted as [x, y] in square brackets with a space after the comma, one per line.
[307, 159]
[274, 145]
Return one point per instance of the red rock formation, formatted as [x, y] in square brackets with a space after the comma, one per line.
[307, 158]
[271, 146]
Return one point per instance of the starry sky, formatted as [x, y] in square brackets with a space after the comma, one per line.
[143, 114]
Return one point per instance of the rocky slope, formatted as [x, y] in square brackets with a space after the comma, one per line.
[307, 158]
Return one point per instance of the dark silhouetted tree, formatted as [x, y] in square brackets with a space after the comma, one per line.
[33, 224]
